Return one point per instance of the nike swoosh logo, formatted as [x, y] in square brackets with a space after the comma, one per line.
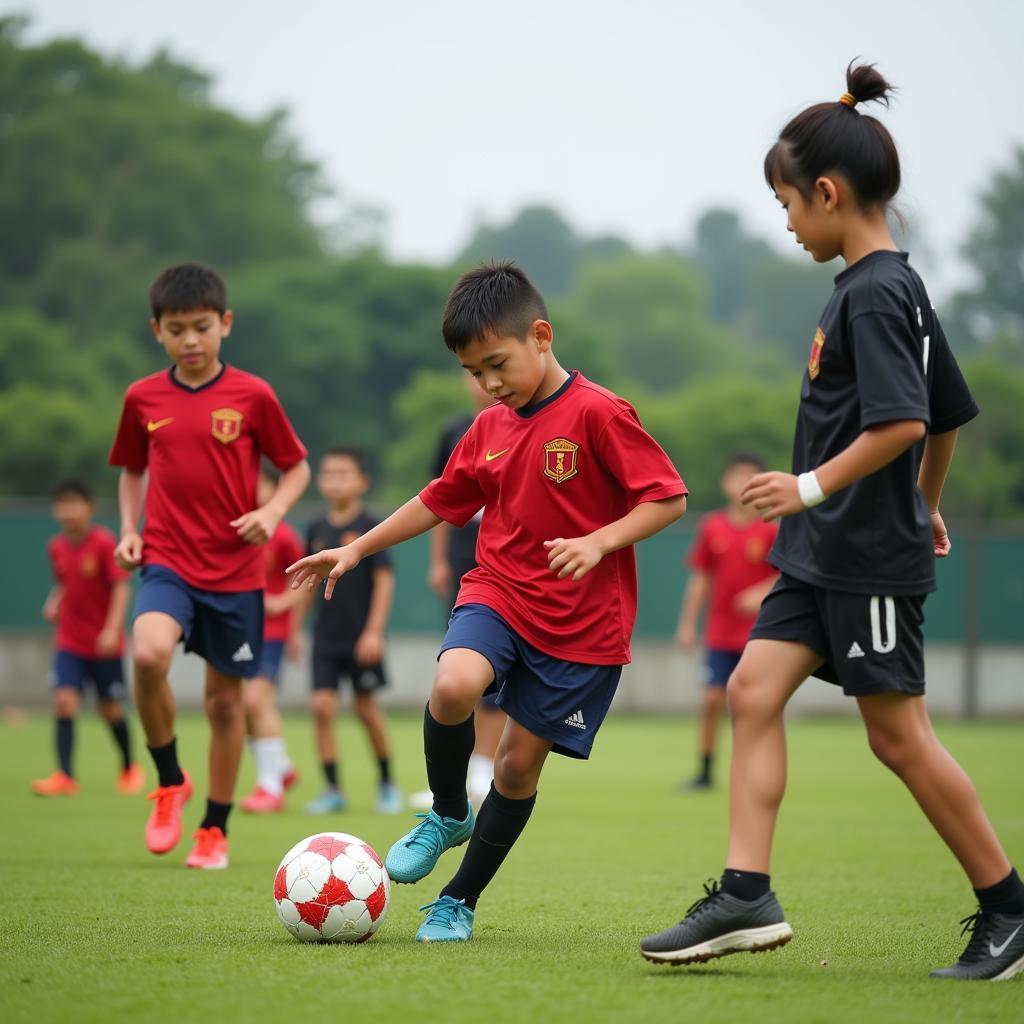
[157, 424]
[999, 950]
[491, 456]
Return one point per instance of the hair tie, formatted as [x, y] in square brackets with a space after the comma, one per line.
[849, 99]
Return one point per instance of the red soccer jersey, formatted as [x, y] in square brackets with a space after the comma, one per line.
[87, 573]
[734, 558]
[561, 469]
[279, 552]
[202, 448]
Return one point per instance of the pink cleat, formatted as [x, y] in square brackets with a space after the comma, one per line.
[163, 830]
[260, 801]
[210, 851]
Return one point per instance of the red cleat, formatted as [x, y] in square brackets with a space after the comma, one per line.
[163, 830]
[260, 801]
[210, 851]
[290, 778]
[57, 784]
[131, 780]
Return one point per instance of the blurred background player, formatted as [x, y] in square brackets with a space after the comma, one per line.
[348, 633]
[88, 603]
[452, 555]
[274, 770]
[730, 575]
[189, 443]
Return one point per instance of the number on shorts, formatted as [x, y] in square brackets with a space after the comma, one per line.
[878, 644]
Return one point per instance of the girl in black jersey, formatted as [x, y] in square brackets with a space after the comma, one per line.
[880, 406]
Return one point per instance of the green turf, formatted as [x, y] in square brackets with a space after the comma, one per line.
[94, 928]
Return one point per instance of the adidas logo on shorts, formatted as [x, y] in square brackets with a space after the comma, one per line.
[576, 721]
[855, 651]
[244, 653]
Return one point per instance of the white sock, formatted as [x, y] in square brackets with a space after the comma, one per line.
[268, 754]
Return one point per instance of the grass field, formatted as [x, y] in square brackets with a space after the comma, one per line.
[94, 928]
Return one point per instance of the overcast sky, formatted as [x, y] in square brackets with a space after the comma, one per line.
[630, 117]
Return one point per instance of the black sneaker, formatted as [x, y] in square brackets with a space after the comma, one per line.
[995, 952]
[719, 924]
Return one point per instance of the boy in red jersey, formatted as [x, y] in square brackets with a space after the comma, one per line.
[729, 572]
[281, 626]
[568, 481]
[198, 430]
[88, 604]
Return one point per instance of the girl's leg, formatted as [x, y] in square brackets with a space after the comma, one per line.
[901, 736]
[767, 676]
[503, 814]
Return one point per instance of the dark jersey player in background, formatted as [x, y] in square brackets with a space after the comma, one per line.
[452, 555]
[856, 548]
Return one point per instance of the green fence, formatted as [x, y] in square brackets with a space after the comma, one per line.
[982, 582]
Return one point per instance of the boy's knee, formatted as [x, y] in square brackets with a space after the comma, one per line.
[515, 769]
[65, 702]
[152, 659]
[891, 750]
[111, 711]
[455, 691]
[365, 706]
[321, 704]
[223, 707]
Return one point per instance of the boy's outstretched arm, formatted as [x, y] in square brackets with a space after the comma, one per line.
[935, 462]
[412, 519]
[578, 555]
[258, 526]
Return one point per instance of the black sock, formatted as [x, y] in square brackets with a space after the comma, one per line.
[705, 770]
[384, 763]
[168, 770]
[745, 885]
[498, 825]
[65, 741]
[216, 816]
[120, 731]
[331, 773]
[447, 749]
[1005, 897]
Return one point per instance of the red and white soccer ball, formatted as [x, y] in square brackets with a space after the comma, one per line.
[332, 887]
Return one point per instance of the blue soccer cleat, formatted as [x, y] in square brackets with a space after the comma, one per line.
[390, 799]
[414, 855]
[329, 801]
[448, 920]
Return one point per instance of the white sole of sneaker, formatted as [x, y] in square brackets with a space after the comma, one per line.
[747, 940]
[1012, 971]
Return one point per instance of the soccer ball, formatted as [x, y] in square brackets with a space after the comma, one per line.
[332, 887]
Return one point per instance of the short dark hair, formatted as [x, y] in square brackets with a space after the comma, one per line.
[835, 137]
[745, 459]
[188, 286]
[344, 451]
[75, 487]
[496, 297]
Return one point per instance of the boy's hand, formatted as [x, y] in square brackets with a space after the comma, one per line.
[107, 642]
[943, 544]
[748, 602]
[439, 579]
[773, 495]
[256, 527]
[686, 636]
[128, 553]
[51, 607]
[330, 564]
[576, 555]
[293, 648]
[369, 648]
[275, 604]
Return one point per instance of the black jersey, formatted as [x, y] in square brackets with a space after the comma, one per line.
[461, 542]
[878, 355]
[340, 620]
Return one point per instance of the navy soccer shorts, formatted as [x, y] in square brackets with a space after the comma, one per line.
[105, 674]
[720, 665]
[561, 701]
[868, 644]
[224, 628]
[269, 666]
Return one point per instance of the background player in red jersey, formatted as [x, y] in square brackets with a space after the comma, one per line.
[730, 574]
[569, 481]
[281, 628]
[198, 430]
[88, 604]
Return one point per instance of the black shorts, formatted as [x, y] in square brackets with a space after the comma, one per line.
[869, 644]
[330, 666]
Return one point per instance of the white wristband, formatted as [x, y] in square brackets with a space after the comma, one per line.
[810, 490]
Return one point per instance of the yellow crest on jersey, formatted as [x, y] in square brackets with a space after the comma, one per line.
[560, 460]
[227, 425]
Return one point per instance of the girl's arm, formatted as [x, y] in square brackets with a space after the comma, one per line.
[938, 454]
[777, 494]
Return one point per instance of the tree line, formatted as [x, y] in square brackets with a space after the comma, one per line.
[112, 171]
